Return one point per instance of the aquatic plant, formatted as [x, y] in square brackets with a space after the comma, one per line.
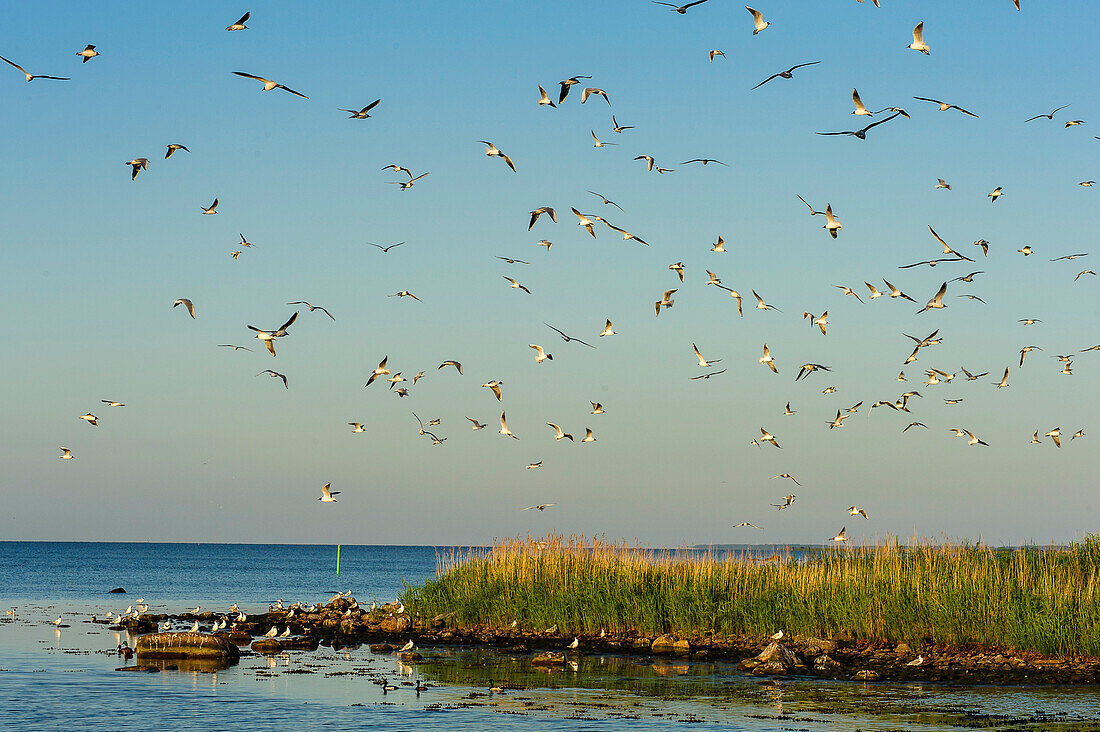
[1045, 599]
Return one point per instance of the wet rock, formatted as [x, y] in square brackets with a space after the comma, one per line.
[396, 624]
[663, 644]
[237, 637]
[812, 647]
[519, 649]
[117, 591]
[138, 625]
[642, 643]
[267, 646]
[409, 656]
[302, 643]
[381, 648]
[824, 665]
[770, 668]
[748, 664]
[185, 645]
[549, 658]
[866, 675]
[772, 652]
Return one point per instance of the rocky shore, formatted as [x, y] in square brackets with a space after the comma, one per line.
[386, 629]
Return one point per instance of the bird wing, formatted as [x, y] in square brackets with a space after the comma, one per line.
[250, 76]
[765, 81]
[858, 102]
[287, 88]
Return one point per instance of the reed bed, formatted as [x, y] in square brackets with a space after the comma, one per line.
[1041, 599]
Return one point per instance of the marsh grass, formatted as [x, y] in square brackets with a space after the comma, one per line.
[1042, 599]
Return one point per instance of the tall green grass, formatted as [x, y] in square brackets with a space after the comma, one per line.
[1042, 599]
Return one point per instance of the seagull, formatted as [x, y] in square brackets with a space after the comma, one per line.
[110, 403]
[1048, 116]
[517, 286]
[597, 408]
[768, 437]
[974, 440]
[311, 307]
[619, 129]
[272, 633]
[381, 370]
[720, 246]
[1026, 350]
[1069, 256]
[88, 53]
[1004, 380]
[765, 360]
[809, 368]
[327, 494]
[681, 9]
[275, 375]
[787, 501]
[590, 90]
[840, 537]
[704, 161]
[235, 348]
[1075, 122]
[605, 200]
[666, 301]
[861, 133]
[1026, 251]
[746, 524]
[944, 106]
[712, 54]
[268, 337]
[649, 162]
[544, 99]
[918, 43]
[476, 425]
[1084, 272]
[585, 221]
[361, 113]
[787, 411]
[1078, 433]
[541, 355]
[930, 263]
[512, 261]
[788, 476]
[984, 245]
[568, 83]
[504, 428]
[406, 293]
[758, 21]
[849, 291]
[172, 148]
[607, 331]
[761, 305]
[66, 453]
[269, 84]
[492, 151]
[211, 209]
[32, 77]
[1030, 321]
[1056, 435]
[920, 659]
[494, 386]
[186, 303]
[534, 466]
[540, 507]
[588, 436]
[138, 165]
[838, 421]
[357, 426]
[941, 183]
[949, 250]
[874, 290]
[456, 364]
[994, 195]
[969, 277]
[407, 647]
[567, 338]
[914, 424]
[788, 74]
[558, 434]
[812, 211]
[539, 212]
[860, 110]
[706, 375]
[712, 278]
[936, 302]
[703, 363]
[626, 234]
[735, 295]
[240, 24]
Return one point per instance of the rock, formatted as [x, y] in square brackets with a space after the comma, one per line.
[663, 644]
[301, 643]
[138, 625]
[812, 647]
[186, 645]
[772, 652]
[748, 664]
[642, 643]
[770, 668]
[237, 637]
[823, 664]
[902, 650]
[267, 646]
[866, 675]
[117, 591]
[409, 656]
[549, 658]
[381, 648]
[396, 623]
[446, 636]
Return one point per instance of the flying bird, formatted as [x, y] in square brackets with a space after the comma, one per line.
[544, 99]
[456, 364]
[504, 428]
[1048, 116]
[492, 151]
[571, 81]
[386, 249]
[240, 24]
[494, 386]
[138, 165]
[361, 113]
[590, 90]
[568, 338]
[788, 74]
[172, 148]
[517, 286]
[758, 21]
[944, 106]
[681, 9]
[860, 134]
[32, 77]
[918, 43]
[312, 307]
[605, 200]
[187, 304]
[275, 375]
[327, 494]
[995, 194]
[541, 354]
[66, 454]
[268, 336]
[269, 84]
[88, 53]
[380, 370]
[211, 209]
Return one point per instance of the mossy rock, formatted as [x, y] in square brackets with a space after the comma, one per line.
[268, 646]
[185, 645]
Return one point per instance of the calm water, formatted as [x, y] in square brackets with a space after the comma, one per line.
[63, 679]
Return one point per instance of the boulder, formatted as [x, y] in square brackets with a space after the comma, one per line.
[866, 675]
[824, 665]
[549, 658]
[396, 623]
[381, 648]
[770, 668]
[409, 656]
[267, 646]
[902, 650]
[301, 643]
[663, 644]
[186, 645]
[812, 647]
[117, 591]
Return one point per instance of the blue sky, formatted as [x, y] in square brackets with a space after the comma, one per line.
[206, 451]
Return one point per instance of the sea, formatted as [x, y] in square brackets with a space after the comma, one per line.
[67, 679]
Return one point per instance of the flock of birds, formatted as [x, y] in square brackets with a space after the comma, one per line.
[591, 223]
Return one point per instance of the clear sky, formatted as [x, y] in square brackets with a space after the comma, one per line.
[206, 451]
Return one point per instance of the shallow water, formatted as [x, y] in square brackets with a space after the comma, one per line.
[51, 679]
